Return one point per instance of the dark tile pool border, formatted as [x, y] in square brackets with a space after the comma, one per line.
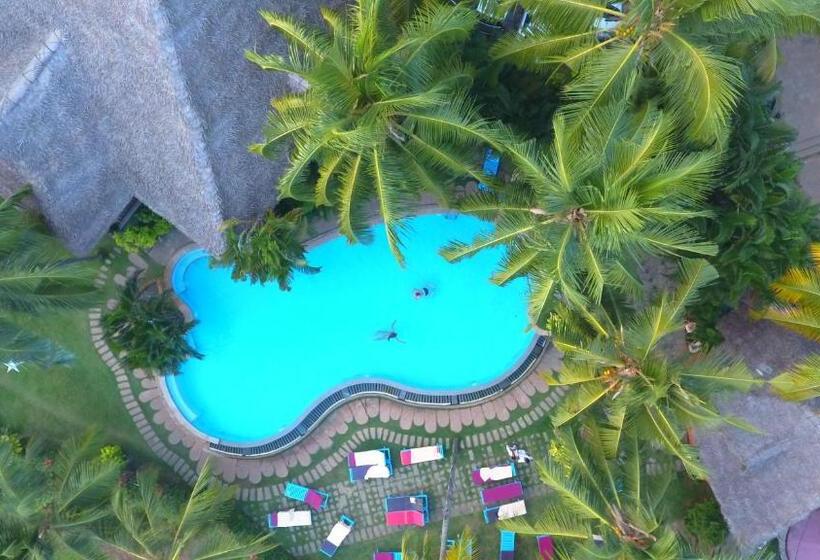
[381, 389]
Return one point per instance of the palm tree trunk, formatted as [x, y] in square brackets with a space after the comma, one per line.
[445, 522]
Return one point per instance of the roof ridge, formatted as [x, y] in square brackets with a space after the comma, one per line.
[30, 74]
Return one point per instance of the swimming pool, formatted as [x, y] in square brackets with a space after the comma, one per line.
[269, 354]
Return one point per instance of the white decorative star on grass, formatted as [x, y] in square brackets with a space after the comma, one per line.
[13, 366]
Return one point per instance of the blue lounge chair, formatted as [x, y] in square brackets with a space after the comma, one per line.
[492, 162]
[507, 551]
[314, 498]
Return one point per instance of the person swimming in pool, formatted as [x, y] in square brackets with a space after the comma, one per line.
[389, 334]
[419, 293]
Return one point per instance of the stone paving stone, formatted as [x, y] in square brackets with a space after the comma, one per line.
[522, 398]
[488, 408]
[442, 418]
[406, 421]
[478, 417]
[418, 416]
[509, 401]
[359, 413]
[431, 422]
[455, 421]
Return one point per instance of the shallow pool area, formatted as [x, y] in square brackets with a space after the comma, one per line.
[270, 354]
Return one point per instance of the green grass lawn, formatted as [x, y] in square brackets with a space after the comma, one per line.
[64, 401]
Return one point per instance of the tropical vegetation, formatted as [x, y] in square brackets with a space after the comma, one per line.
[37, 276]
[150, 329]
[270, 249]
[579, 215]
[51, 500]
[797, 308]
[156, 525]
[759, 217]
[634, 379]
[384, 116]
[676, 51]
[142, 232]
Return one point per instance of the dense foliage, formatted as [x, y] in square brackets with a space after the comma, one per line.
[705, 522]
[580, 213]
[679, 45]
[151, 330]
[36, 276]
[633, 382]
[270, 249]
[142, 232]
[384, 116]
[760, 219]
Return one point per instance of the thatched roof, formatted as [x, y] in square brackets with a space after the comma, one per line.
[105, 100]
[764, 482]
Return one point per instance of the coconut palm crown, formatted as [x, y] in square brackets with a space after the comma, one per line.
[49, 504]
[383, 116]
[634, 382]
[798, 309]
[36, 275]
[580, 214]
[602, 507]
[613, 48]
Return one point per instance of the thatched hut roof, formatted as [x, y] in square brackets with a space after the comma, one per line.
[103, 101]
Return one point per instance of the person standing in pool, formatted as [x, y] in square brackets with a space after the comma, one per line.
[389, 334]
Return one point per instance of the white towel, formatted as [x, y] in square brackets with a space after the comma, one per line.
[292, 518]
[424, 454]
[514, 509]
[377, 471]
[496, 473]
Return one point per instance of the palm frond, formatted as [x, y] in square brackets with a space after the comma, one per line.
[801, 381]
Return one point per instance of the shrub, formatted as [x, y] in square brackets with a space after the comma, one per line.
[151, 330]
[111, 454]
[705, 522]
[13, 441]
[270, 249]
[761, 219]
[142, 232]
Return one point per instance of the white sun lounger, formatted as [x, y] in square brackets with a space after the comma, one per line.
[493, 474]
[290, 518]
[337, 536]
[505, 511]
[422, 454]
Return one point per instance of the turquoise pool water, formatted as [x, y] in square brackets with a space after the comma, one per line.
[269, 354]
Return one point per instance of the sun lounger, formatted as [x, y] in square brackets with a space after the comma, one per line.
[406, 510]
[290, 518]
[505, 511]
[367, 465]
[421, 454]
[337, 536]
[314, 498]
[492, 162]
[387, 556]
[493, 474]
[507, 548]
[505, 493]
[546, 548]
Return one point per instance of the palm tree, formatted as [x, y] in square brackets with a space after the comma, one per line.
[580, 214]
[36, 275]
[633, 382]
[798, 309]
[676, 46]
[270, 249]
[463, 548]
[383, 116]
[153, 525]
[49, 504]
[150, 328]
[603, 507]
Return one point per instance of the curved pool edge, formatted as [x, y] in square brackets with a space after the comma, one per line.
[345, 393]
